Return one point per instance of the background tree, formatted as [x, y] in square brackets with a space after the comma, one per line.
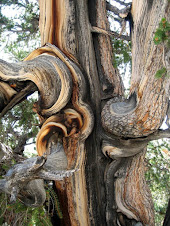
[19, 32]
[19, 35]
[108, 90]
[157, 174]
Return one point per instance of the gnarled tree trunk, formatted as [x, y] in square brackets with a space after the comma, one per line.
[94, 140]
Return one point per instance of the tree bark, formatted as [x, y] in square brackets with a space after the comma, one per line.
[82, 106]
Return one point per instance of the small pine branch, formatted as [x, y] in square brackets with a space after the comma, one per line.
[160, 73]
[56, 201]
[161, 34]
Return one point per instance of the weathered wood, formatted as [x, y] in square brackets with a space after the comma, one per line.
[52, 71]
[25, 180]
[103, 51]
[142, 117]
[132, 194]
[107, 183]
[148, 59]
[74, 44]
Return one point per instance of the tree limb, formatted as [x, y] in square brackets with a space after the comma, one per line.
[29, 89]
[110, 33]
[119, 20]
[7, 152]
[13, 117]
[112, 8]
[22, 142]
[122, 3]
[167, 216]
[27, 2]
[26, 175]
[159, 134]
[11, 130]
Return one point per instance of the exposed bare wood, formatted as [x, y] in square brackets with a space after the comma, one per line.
[98, 171]
[133, 197]
[57, 18]
[46, 71]
[74, 133]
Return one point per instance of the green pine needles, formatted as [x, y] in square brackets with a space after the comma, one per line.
[18, 214]
[51, 194]
[162, 37]
[161, 73]
[161, 34]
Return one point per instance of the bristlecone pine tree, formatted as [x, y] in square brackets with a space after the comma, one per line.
[92, 140]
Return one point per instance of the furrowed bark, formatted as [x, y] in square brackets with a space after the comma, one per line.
[99, 172]
[73, 36]
[131, 191]
[103, 51]
[142, 117]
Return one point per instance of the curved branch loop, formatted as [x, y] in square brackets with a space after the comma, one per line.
[133, 117]
[61, 84]
[79, 86]
[47, 73]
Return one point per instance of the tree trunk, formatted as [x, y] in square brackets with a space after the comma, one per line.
[82, 105]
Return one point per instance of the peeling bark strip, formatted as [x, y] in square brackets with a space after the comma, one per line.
[57, 19]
